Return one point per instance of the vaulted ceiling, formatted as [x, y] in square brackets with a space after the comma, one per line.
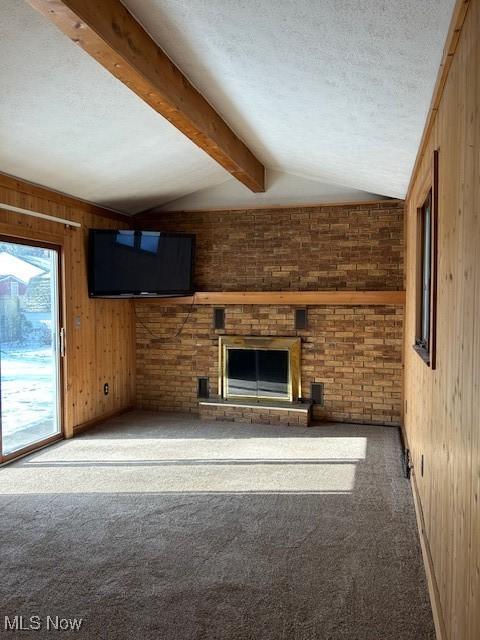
[330, 96]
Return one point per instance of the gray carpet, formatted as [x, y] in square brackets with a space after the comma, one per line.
[160, 526]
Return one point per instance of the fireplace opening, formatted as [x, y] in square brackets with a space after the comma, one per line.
[258, 367]
[257, 373]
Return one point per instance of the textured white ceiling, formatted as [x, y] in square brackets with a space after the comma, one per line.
[281, 189]
[337, 90]
[67, 124]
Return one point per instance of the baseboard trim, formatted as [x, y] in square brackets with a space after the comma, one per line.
[84, 426]
[326, 420]
[428, 562]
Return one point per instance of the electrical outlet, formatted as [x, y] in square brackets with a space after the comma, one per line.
[106, 389]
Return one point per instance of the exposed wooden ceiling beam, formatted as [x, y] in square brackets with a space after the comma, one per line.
[111, 35]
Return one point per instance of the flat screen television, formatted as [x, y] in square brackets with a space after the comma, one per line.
[127, 264]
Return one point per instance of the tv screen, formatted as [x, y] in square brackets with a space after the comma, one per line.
[140, 263]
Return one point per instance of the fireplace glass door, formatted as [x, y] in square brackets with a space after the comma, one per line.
[258, 373]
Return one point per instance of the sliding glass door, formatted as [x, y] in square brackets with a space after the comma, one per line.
[29, 347]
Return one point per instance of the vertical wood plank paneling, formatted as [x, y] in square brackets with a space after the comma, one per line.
[442, 420]
[473, 595]
[100, 333]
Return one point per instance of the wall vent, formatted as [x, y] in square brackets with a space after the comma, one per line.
[202, 387]
[300, 319]
[317, 393]
[219, 318]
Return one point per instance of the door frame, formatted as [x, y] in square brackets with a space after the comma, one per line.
[58, 247]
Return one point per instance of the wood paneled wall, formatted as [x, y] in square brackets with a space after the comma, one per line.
[100, 333]
[442, 412]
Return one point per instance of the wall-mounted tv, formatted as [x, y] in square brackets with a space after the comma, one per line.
[127, 264]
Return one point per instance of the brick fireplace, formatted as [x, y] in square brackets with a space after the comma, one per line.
[353, 350]
[259, 380]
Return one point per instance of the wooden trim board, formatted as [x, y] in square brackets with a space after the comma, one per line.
[458, 18]
[433, 591]
[31, 190]
[150, 215]
[309, 298]
[26, 233]
[428, 563]
[80, 428]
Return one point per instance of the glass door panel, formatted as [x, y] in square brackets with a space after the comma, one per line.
[29, 346]
[258, 373]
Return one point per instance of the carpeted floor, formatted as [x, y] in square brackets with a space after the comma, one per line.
[158, 526]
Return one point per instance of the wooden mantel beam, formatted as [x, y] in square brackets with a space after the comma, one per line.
[301, 298]
[110, 34]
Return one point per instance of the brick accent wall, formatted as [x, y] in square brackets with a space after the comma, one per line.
[354, 351]
[350, 247]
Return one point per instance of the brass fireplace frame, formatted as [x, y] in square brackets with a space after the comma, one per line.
[267, 343]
